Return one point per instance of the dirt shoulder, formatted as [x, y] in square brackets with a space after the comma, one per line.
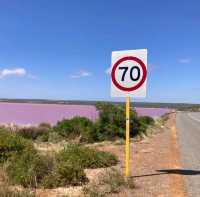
[161, 161]
[154, 164]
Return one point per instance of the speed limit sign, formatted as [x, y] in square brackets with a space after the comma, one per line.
[128, 79]
[129, 73]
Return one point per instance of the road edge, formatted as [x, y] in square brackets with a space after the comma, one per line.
[177, 180]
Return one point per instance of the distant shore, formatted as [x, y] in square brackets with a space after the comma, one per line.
[93, 102]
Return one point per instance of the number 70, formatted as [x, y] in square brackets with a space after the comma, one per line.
[125, 69]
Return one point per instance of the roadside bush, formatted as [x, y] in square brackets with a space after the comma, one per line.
[86, 157]
[54, 137]
[116, 181]
[65, 174]
[144, 122]
[28, 168]
[45, 125]
[44, 137]
[71, 162]
[33, 133]
[107, 132]
[109, 182]
[75, 127]
[164, 118]
[10, 144]
[111, 123]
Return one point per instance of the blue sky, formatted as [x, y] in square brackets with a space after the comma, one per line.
[61, 49]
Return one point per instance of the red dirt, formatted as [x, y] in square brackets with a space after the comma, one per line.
[159, 152]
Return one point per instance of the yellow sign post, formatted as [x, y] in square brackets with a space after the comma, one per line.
[128, 79]
[127, 146]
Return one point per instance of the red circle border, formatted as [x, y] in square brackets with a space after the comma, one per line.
[139, 61]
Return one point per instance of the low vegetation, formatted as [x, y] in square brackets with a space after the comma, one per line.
[86, 157]
[27, 167]
[40, 132]
[5, 191]
[71, 162]
[144, 123]
[111, 122]
[77, 127]
[110, 182]
[189, 108]
[11, 144]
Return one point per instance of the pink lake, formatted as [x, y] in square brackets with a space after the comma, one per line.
[34, 114]
[27, 113]
[153, 112]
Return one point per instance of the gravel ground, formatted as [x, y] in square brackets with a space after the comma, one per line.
[155, 164]
[188, 126]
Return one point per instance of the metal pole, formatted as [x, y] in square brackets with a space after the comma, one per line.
[127, 146]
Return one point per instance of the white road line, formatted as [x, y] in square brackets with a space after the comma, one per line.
[192, 117]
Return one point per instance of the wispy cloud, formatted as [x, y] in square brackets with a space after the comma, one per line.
[184, 60]
[18, 72]
[81, 74]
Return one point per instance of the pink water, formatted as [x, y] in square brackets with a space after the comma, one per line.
[27, 113]
[153, 112]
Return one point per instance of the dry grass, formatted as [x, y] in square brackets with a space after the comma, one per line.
[6, 191]
[109, 182]
[47, 147]
[10, 191]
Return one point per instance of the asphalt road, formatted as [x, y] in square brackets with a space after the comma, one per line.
[188, 128]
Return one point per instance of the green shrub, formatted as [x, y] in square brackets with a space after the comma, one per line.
[44, 133]
[65, 174]
[144, 122]
[75, 127]
[34, 132]
[45, 125]
[47, 130]
[71, 162]
[55, 137]
[44, 137]
[112, 122]
[86, 157]
[10, 143]
[110, 182]
[28, 168]
[115, 180]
